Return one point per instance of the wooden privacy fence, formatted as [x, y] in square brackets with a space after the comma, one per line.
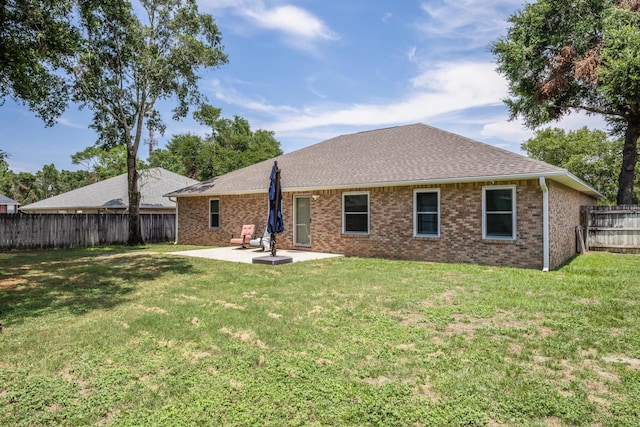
[32, 231]
[611, 228]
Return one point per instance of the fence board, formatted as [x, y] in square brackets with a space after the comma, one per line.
[39, 231]
[612, 228]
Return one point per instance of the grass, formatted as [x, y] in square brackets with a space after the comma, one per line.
[119, 336]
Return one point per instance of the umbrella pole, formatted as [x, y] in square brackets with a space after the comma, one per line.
[277, 208]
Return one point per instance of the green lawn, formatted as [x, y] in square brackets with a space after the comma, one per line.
[117, 336]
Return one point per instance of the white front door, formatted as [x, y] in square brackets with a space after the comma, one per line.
[302, 221]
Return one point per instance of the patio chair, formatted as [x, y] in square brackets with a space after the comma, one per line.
[264, 241]
[247, 233]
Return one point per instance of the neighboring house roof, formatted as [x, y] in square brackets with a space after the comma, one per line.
[112, 193]
[4, 200]
[402, 155]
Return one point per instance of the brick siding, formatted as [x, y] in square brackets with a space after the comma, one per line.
[564, 216]
[391, 224]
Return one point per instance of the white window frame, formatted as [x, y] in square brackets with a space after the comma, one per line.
[344, 214]
[211, 226]
[416, 213]
[513, 212]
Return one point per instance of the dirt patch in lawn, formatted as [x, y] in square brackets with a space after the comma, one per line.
[248, 337]
[226, 304]
[195, 356]
[155, 310]
[444, 298]
[631, 362]
[10, 283]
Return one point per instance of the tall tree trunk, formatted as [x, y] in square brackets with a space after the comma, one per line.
[629, 161]
[135, 230]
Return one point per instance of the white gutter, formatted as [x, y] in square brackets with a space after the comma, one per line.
[545, 224]
[174, 200]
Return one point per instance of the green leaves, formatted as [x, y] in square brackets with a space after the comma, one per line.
[35, 36]
[620, 73]
[231, 145]
[564, 55]
[128, 62]
[587, 154]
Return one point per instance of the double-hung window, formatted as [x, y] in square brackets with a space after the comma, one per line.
[355, 213]
[214, 213]
[426, 213]
[499, 213]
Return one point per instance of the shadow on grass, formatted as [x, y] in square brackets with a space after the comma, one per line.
[75, 281]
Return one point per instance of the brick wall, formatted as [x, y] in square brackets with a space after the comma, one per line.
[236, 210]
[564, 216]
[391, 224]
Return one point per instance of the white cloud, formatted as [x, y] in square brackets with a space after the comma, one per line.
[475, 22]
[232, 96]
[516, 132]
[292, 21]
[445, 88]
[68, 122]
[298, 27]
[506, 130]
[411, 54]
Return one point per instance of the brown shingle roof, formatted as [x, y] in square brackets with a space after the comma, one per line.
[393, 156]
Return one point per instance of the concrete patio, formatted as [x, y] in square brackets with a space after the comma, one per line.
[235, 254]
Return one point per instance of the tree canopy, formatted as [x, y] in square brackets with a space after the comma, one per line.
[561, 56]
[35, 36]
[102, 163]
[126, 63]
[588, 154]
[231, 145]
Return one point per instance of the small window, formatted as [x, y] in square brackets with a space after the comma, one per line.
[355, 219]
[214, 213]
[427, 213]
[499, 208]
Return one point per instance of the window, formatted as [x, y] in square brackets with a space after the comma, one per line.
[355, 219]
[499, 213]
[214, 213]
[426, 213]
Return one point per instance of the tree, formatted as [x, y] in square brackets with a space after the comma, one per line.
[35, 36]
[102, 163]
[21, 187]
[185, 154]
[125, 65]
[70, 180]
[561, 56]
[231, 145]
[47, 183]
[588, 154]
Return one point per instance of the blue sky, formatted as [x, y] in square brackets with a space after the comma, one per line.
[313, 69]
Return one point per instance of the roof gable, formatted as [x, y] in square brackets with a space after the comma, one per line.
[398, 155]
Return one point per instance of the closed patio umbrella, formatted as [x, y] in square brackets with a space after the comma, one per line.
[275, 223]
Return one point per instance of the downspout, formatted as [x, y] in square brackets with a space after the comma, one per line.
[174, 200]
[545, 224]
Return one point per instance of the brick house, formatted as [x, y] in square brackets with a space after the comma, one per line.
[409, 192]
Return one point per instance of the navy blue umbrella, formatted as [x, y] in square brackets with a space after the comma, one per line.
[275, 223]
